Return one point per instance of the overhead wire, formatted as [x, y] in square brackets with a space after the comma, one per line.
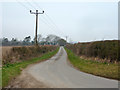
[48, 23]
[22, 4]
[51, 28]
[45, 20]
[30, 4]
[34, 8]
[54, 25]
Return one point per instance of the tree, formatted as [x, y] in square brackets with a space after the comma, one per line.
[26, 40]
[5, 41]
[39, 38]
[61, 42]
[14, 41]
[52, 39]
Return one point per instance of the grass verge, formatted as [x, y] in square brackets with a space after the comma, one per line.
[93, 67]
[9, 71]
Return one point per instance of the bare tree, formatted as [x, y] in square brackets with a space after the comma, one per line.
[39, 38]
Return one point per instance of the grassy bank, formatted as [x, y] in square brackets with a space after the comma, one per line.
[107, 70]
[9, 71]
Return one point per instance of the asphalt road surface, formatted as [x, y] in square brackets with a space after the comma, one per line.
[58, 73]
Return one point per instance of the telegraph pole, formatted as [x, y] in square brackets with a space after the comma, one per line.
[66, 38]
[36, 13]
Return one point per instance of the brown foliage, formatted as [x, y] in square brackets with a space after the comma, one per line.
[17, 54]
[107, 50]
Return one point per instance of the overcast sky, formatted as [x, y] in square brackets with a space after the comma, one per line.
[80, 21]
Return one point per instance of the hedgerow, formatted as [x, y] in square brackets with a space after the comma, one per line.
[18, 54]
[108, 49]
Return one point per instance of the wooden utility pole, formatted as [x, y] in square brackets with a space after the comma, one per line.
[36, 13]
[66, 38]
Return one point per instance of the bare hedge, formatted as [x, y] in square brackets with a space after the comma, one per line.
[17, 54]
[102, 49]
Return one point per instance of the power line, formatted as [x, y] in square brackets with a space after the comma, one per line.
[37, 5]
[23, 5]
[34, 8]
[51, 28]
[66, 38]
[42, 17]
[49, 18]
[30, 4]
[46, 19]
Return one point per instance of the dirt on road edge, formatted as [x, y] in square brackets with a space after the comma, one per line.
[25, 80]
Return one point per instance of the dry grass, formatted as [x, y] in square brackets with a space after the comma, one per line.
[6, 49]
[15, 54]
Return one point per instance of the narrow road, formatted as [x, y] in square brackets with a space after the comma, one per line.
[57, 73]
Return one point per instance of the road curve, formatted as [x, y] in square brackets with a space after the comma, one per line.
[57, 73]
